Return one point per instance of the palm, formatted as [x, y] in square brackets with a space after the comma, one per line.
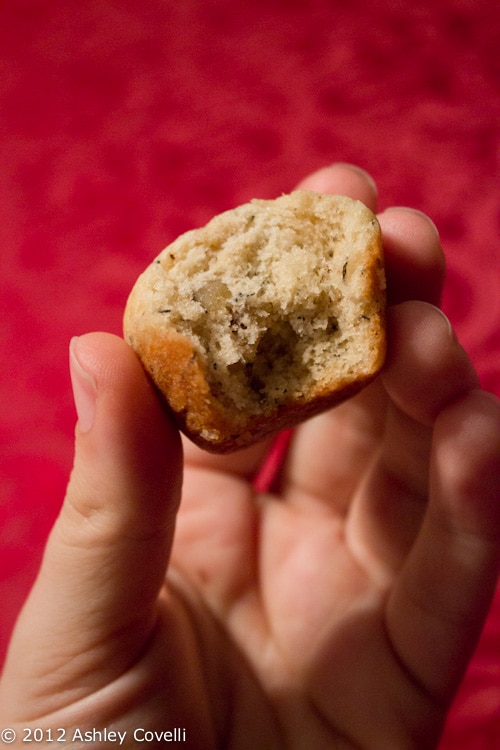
[258, 563]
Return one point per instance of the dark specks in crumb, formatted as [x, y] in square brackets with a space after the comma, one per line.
[241, 297]
[237, 326]
[166, 310]
[344, 270]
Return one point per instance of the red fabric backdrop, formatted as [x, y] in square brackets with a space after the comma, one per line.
[125, 122]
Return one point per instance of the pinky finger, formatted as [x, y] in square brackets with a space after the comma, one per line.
[441, 598]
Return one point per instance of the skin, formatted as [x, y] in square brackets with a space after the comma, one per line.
[337, 610]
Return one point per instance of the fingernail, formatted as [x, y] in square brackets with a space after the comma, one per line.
[451, 330]
[84, 389]
[414, 211]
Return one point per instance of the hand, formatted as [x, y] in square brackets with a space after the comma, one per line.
[337, 611]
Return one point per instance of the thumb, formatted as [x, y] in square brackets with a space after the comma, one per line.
[93, 604]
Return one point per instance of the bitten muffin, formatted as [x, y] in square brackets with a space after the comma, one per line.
[272, 312]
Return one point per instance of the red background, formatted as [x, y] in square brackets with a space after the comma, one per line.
[125, 122]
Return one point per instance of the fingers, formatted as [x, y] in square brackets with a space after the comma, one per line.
[414, 260]
[329, 453]
[93, 604]
[426, 370]
[437, 608]
[425, 367]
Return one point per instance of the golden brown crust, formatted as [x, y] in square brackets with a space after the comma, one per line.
[175, 369]
[179, 373]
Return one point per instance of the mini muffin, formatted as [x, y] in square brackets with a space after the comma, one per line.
[271, 313]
